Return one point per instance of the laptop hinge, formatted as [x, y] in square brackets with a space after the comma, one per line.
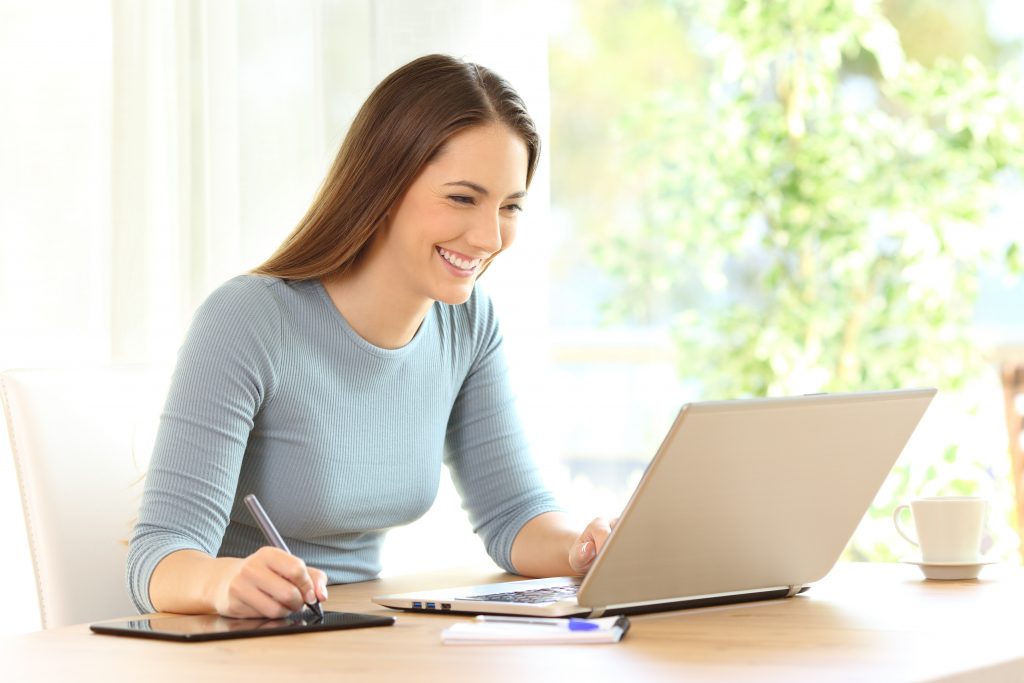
[596, 612]
[793, 590]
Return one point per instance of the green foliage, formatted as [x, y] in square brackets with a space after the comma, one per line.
[844, 241]
[816, 221]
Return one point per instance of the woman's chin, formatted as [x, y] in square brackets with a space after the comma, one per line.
[453, 296]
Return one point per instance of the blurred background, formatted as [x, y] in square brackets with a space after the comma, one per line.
[776, 198]
[735, 199]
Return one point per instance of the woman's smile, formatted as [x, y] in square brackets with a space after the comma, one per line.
[459, 264]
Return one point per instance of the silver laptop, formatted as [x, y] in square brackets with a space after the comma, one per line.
[745, 500]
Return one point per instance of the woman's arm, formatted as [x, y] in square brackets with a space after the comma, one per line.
[224, 373]
[486, 448]
[268, 583]
[493, 470]
[548, 545]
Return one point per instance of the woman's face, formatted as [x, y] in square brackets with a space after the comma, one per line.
[458, 213]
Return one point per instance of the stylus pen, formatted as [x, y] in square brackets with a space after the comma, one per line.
[274, 538]
[573, 623]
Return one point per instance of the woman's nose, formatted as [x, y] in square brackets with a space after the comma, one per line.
[486, 233]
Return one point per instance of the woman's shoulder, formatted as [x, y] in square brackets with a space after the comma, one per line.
[244, 300]
[245, 286]
[237, 328]
[245, 292]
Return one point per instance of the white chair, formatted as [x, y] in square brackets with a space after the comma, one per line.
[81, 440]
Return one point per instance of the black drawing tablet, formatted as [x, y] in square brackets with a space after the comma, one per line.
[200, 627]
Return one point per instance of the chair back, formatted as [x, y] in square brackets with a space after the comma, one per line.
[81, 440]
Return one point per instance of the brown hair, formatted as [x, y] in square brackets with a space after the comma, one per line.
[403, 124]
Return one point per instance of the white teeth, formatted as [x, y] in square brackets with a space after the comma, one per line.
[461, 263]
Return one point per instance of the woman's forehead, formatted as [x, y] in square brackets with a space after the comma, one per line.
[492, 156]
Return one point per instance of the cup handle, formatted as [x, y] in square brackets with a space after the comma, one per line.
[896, 521]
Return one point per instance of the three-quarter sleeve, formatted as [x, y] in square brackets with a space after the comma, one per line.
[224, 373]
[486, 448]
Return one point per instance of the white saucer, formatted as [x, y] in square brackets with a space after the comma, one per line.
[947, 571]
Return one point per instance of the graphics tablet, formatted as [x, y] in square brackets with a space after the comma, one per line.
[200, 627]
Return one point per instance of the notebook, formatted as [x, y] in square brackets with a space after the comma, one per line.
[535, 631]
[744, 500]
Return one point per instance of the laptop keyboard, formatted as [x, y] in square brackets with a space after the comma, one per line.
[531, 597]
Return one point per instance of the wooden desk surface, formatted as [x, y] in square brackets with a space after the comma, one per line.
[863, 622]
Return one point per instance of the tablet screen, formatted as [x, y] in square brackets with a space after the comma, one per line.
[214, 627]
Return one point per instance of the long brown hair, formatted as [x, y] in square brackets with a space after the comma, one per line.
[402, 126]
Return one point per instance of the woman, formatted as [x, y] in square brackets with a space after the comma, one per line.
[331, 381]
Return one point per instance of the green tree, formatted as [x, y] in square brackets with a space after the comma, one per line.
[818, 221]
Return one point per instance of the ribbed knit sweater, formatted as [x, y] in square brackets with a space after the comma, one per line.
[275, 394]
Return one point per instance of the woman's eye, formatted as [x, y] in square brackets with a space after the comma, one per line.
[461, 199]
[513, 208]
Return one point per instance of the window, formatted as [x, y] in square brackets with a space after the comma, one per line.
[725, 227]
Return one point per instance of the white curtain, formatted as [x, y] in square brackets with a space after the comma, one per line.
[149, 150]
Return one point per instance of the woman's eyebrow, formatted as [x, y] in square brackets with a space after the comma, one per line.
[483, 190]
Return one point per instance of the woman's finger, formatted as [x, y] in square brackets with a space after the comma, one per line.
[589, 543]
[294, 571]
[320, 581]
[599, 530]
[269, 581]
[248, 599]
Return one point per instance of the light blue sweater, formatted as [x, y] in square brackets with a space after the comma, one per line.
[275, 394]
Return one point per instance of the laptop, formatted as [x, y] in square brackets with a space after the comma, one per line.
[745, 500]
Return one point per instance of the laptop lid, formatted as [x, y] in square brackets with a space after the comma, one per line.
[753, 494]
[745, 499]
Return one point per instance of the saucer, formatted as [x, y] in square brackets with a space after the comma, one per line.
[948, 571]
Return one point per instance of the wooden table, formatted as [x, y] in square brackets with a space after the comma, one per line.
[863, 622]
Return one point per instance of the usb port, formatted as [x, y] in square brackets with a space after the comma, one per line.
[417, 605]
[431, 605]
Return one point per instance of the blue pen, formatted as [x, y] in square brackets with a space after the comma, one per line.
[572, 623]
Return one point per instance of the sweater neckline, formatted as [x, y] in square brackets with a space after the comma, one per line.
[362, 343]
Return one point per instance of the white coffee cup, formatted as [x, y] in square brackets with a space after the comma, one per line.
[949, 528]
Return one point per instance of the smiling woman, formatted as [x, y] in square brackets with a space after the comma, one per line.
[439, 236]
[334, 380]
[191, 138]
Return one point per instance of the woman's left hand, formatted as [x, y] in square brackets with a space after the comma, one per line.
[589, 543]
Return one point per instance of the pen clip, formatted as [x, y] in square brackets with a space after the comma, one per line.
[577, 624]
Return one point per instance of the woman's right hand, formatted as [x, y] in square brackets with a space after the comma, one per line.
[269, 583]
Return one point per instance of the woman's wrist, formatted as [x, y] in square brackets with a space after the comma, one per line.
[543, 544]
[190, 582]
[218, 581]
